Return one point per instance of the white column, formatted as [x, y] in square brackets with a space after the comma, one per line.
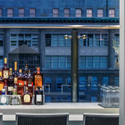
[122, 63]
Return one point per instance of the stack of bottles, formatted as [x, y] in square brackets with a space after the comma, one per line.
[18, 88]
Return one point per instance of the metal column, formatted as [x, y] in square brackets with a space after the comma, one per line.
[122, 63]
[74, 66]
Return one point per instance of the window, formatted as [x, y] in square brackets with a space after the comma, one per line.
[0, 12]
[1, 62]
[1, 40]
[111, 12]
[48, 83]
[105, 81]
[116, 80]
[28, 39]
[69, 83]
[55, 12]
[89, 13]
[59, 83]
[94, 99]
[100, 13]
[32, 12]
[58, 62]
[92, 62]
[117, 37]
[90, 40]
[21, 12]
[57, 40]
[78, 13]
[66, 13]
[82, 83]
[10, 12]
[94, 83]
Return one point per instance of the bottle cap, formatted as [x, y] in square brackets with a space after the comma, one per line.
[10, 69]
[5, 60]
[20, 70]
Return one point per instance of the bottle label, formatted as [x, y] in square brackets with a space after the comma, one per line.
[5, 74]
[15, 80]
[20, 84]
[1, 86]
[10, 88]
[39, 98]
[29, 85]
[3, 100]
[25, 83]
[38, 80]
[26, 98]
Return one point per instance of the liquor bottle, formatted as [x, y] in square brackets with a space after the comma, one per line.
[5, 72]
[1, 82]
[25, 75]
[3, 98]
[15, 99]
[15, 74]
[20, 83]
[38, 96]
[10, 83]
[26, 97]
[30, 82]
[38, 76]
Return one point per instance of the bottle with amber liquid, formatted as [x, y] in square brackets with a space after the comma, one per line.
[30, 82]
[10, 83]
[25, 75]
[38, 77]
[1, 82]
[15, 75]
[20, 83]
[26, 97]
[5, 72]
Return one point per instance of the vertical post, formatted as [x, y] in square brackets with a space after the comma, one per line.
[74, 66]
[122, 63]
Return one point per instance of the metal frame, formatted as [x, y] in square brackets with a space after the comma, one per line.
[42, 115]
[98, 115]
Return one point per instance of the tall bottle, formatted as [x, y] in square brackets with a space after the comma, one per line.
[15, 74]
[38, 77]
[5, 72]
[30, 82]
[20, 83]
[10, 83]
[25, 74]
[3, 98]
[1, 82]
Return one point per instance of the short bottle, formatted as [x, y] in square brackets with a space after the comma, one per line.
[30, 82]
[38, 78]
[26, 97]
[5, 72]
[15, 99]
[3, 98]
[1, 82]
[10, 83]
[20, 83]
[38, 96]
[15, 75]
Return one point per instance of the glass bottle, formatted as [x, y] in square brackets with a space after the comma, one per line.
[25, 75]
[3, 98]
[1, 82]
[15, 74]
[5, 72]
[38, 76]
[30, 82]
[26, 97]
[20, 83]
[15, 99]
[10, 83]
[38, 96]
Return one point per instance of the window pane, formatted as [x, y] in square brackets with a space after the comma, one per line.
[78, 13]
[21, 12]
[111, 13]
[10, 12]
[32, 12]
[55, 12]
[66, 13]
[89, 13]
[100, 13]
[55, 62]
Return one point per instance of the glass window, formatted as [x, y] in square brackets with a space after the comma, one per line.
[89, 62]
[55, 40]
[94, 83]
[1, 12]
[96, 62]
[66, 12]
[100, 13]
[69, 83]
[48, 83]
[89, 13]
[1, 62]
[97, 40]
[117, 37]
[48, 39]
[117, 81]
[55, 62]
[90, 40]
[10, 12]
[105, 81]
[62, 62]
[68, 62]
[82, 62]
[82, 83]
[111, 12]
[94, 99]
[48, 62]
[78, 13]
[59, 83]
[62, 40]
[55, 12]
[21, 12]
[32, 12]
[103, 62]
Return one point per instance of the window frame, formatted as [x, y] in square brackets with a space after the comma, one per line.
[55, 12]
[78, 14]
[100, 13]
[65, 13]
[33, 14]
[21, 14]
[10, 14]
[89, 15]
[110, 15]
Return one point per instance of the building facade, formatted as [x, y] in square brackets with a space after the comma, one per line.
[42, 24]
